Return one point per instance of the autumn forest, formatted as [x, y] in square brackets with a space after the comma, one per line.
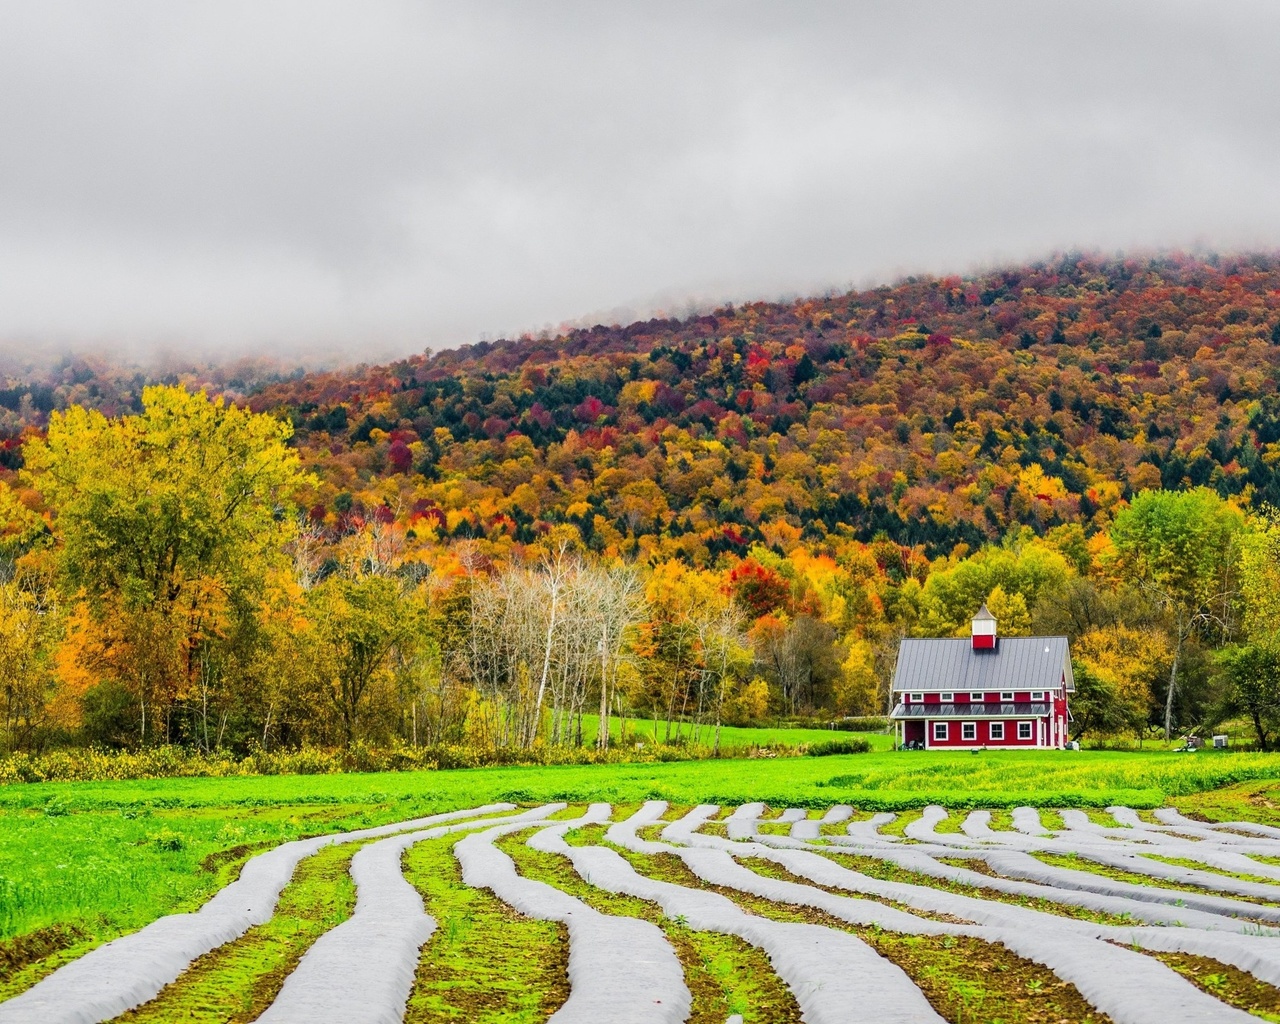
[729, 518]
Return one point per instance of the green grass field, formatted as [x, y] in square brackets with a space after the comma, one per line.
[82, 862]
[644, 730]
[104, 845]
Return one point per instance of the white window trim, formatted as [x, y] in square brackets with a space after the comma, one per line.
[1029, 727]
[946, 732]
[1007, 694]
[947, 696]
[969, 727]
[977, 698]
[992, 727]
[1037, 695]
[915, 698]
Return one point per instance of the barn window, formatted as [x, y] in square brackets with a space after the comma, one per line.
[1037, 694]
[997, 730]
[969, 730]
[977, 697]
[915, 698]
[946, 697]
[1006, 695]
[939, 730]
[1024, 730]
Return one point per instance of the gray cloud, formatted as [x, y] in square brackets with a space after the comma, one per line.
[382, 177]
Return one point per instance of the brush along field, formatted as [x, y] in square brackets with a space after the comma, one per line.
[1140, 888]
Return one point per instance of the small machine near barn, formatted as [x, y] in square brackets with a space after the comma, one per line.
[983, 690]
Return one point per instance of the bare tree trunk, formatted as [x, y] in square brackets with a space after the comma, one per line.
[671, 703]
[602, 732]
[1173, 681]
[546, 662]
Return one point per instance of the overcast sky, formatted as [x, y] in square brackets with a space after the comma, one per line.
[383, 177]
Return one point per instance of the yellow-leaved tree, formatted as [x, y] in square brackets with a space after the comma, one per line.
[360, 622]
[28, 628]
[167, 525]
[1011, 612]
[858, 690]
[1116, 668]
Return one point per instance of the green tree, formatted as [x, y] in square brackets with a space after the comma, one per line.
[1182, 548]
[1252, 687]
[360, 623]
[1096, 705]
[1022, 568]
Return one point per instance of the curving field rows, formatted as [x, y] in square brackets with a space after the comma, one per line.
[1106, 909]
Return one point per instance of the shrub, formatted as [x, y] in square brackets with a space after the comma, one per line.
[866, 723]
[92, 765]
[839, 747]
[168, 840]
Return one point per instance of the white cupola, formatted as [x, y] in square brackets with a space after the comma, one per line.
[984, 630]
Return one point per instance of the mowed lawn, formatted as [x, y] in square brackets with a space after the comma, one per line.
[101, 858]
[647, 731]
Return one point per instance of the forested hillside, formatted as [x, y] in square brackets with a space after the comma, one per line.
[935, 412]
[729, 517]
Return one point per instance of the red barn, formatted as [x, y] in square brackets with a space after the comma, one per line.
[983, 690]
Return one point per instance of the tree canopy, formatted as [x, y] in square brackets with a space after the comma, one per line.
[192, 491]
[748, 507]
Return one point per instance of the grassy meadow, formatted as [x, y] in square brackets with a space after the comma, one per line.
[83, 861]
[731, 736]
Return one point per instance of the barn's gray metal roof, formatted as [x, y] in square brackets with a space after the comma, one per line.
[951, 663]
[1019, 710]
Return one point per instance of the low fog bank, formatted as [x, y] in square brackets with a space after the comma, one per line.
[328, 181]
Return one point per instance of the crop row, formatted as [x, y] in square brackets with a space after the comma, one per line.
[652, 914]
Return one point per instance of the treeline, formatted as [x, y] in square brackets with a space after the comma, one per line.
[159, 587]
[163, 584]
